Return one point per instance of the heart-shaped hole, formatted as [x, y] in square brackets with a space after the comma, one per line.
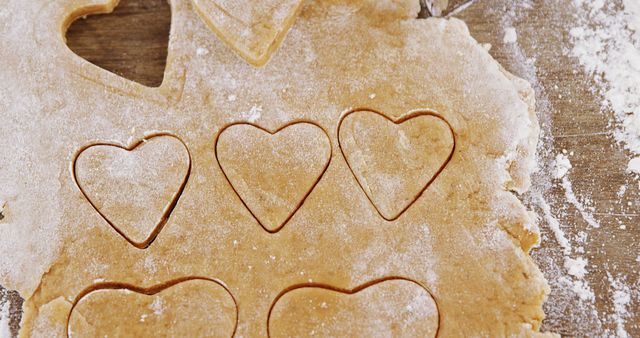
[395, 161]
[190, 306]
[131, 42]
[273, 172]
[134, 188]
[388, 307]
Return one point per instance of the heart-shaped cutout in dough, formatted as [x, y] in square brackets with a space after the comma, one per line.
[190, 306]
[273, 172]
[126, 59]
[134, 188]
[395, 161]
[253, 29]
[388, 307]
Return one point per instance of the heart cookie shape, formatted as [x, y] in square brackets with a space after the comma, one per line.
[253, 29]
[395, 161]
[388, 307]
[134, 188]
[273, 172]
[194, 306]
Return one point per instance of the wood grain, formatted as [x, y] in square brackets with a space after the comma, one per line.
[570, 112]
[132, 42]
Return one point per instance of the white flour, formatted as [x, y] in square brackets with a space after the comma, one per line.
[5, 332]
[634, 165]
[510, 35]
[607, 44]
[579, 205]
[575, 267]
[621, 295]
[567, 263]
[554, 225]
[562, 166]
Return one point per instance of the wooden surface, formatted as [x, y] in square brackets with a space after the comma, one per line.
[132, 42]
[572, 119]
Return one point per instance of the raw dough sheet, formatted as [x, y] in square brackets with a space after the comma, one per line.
[361, 182]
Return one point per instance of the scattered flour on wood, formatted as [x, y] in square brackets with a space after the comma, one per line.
[565, 265]
[621, 295]
[510, 35]
[561, 168]
[554, 225]
[576, 267]
[573, 199]
[634, 166]
[607, 44]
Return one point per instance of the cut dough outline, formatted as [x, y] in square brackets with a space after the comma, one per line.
[170, 90]
[398, 121]
[149, 291]
[131, 147]
[273, 132]
[352, 291]
[273, 47]
[70, 277]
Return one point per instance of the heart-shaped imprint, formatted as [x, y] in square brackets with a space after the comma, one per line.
[395, 161]
[134, 188]
[190, 306]
[388, 307]
[273, 172]
[254, 29]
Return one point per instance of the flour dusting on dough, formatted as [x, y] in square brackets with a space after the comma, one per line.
[466, 211]
[157, 306]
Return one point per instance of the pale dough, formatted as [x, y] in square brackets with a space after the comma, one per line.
[287, 164]
[394, 308]
[439, 248]
[135, 188]
[200, 307]
[394, 161]
[254, 29]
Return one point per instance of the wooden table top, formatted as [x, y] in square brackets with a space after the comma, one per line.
[132, 42]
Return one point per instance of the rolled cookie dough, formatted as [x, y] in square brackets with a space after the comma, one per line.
[454, 262]
[254, 29]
